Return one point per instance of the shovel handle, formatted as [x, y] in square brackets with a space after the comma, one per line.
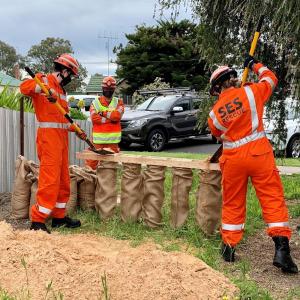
[253, 47]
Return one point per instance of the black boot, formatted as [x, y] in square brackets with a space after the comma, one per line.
[282, 258]
[227, 252]
[66, 221]
[39, 226]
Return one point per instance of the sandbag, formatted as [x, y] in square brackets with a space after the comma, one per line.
[72, 203]
[86, 188]
[181, 185]
[21, 189]
[131, 192]
[209, 201]
[33, 191]
[153, 183]
[106, 189]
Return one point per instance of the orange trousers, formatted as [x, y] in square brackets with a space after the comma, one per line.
[94, 163]
[54, 180]
[269, 190]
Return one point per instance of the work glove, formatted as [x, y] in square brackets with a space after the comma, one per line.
[51, 98]
[81, 135]
[249, 62]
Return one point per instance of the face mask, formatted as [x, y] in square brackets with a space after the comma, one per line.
[108, 93]
[66, 80]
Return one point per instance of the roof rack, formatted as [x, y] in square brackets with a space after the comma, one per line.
[179, 90]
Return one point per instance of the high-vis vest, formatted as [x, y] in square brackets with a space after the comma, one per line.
[108, 132]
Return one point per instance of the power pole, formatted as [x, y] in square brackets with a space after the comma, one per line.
[108, 39]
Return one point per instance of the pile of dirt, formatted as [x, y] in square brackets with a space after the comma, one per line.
[75, 264]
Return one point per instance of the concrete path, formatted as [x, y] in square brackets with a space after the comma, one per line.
[284, 170]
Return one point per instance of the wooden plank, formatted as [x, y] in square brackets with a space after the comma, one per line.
[150, 160]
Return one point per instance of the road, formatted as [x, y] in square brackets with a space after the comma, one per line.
[191, 145]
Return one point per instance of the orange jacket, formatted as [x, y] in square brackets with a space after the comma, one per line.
[237, 115]
[109, 120]
[44, 110]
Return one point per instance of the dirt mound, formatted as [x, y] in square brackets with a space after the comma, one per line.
[75, 264]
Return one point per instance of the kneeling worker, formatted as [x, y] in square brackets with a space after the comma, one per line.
[236, 119]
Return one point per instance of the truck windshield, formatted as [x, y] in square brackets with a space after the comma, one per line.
[161, 103]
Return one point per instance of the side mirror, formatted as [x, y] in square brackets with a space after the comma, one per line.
[177, 109]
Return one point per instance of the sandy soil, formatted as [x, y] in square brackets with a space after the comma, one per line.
[75, 264]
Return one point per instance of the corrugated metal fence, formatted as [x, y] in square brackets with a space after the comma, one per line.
[10, 144]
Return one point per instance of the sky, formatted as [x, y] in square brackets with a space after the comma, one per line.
[87, 24]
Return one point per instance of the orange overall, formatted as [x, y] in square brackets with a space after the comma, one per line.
[52, 148]
[106, 122]
[236, 118]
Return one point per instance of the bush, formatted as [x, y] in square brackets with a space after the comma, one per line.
[77, 114]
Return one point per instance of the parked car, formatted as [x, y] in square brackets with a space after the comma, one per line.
[160, 118]
[292, 145]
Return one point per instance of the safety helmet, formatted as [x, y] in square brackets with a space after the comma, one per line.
[220, 75]
[109, 83]
[69, 62]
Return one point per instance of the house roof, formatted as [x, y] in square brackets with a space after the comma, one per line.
[8, 80]
[94, 85]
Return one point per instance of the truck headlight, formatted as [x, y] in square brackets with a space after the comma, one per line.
[137, 123]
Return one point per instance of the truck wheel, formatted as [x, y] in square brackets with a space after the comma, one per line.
[156, 140]
[293, 148]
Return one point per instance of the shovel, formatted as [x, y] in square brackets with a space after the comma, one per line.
[67, 116]
[218, 153]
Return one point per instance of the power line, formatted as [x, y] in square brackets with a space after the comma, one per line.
[144, 61]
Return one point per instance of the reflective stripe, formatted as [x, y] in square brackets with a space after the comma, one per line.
[68, 61]
[278, 224]
[45, 79]
[252, 104]
[262, 69]
[270, 80]
[250, 138]
[99, 107]
[60, 204]
[53, 125]
[233, 227]
[103, 120]
[216, 122]
[108, 115]
[37, 89]
[44, 210]
[102, 140]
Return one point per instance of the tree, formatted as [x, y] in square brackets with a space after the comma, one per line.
[227, 27]
[42, 56]
[167, 50]
[225, 32]
[8, 58]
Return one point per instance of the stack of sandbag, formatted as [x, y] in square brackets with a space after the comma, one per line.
[181, 185]
[131, 192]
[21, 189]
[153, 188]
[86, 184]
[209, 201]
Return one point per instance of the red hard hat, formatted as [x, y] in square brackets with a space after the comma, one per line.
[69, 62]
[109, 83]
[221, 74]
